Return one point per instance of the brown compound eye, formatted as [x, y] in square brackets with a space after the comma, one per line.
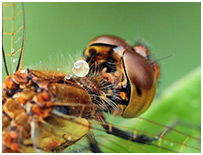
[105, 48]
[142, 82]
[144, 51]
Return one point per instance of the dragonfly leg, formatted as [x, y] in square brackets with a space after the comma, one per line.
[93, 143]
[143, 139]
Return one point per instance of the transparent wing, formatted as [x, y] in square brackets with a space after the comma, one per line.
[169, 139]
[64, 130]
[13, 36]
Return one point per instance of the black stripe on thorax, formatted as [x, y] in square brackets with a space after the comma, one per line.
[103, 44]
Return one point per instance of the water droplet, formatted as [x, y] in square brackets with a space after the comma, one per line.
[22, 71]
[68, 76]
[80, 68]
[13, 50]
[58, 69]
[15, 60]
[69, 138]
[156, 137]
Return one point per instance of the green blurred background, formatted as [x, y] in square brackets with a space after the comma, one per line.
[170, 29]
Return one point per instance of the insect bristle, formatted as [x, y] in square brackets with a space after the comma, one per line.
[57, 62]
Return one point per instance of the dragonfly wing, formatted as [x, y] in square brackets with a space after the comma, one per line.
[13, 36]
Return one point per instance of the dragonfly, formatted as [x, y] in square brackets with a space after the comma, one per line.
[56, 112]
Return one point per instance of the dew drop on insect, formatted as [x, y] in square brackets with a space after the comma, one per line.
[156, 137]
[15, 60]
[22, 71]
[68, 76]
[80, 68]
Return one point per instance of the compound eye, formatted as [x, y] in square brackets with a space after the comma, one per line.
[138, 70]
[142, 83]
[144, 51]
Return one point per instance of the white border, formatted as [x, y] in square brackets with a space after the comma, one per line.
[101, 1]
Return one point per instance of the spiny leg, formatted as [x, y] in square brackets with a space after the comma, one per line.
[142, 139]
[93, 143]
